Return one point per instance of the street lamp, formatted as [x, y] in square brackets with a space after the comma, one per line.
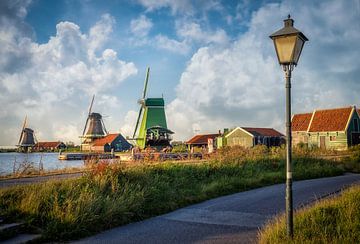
[288, 43]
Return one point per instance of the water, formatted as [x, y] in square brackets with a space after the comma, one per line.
[50, 161]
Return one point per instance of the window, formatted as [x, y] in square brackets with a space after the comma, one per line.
[332, 138]
[356, 125]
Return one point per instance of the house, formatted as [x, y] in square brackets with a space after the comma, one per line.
[328, 128]
[49, 146]
[249, 137]
[201, 141]
[299, 128]
[109, 143]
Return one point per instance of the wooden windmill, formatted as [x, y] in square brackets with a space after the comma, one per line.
[153, 129]
[27, 138]
[94, 128]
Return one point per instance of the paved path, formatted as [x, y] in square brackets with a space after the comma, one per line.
[36, 179]
[230, 219]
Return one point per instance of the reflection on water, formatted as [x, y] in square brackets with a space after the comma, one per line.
[48, 161]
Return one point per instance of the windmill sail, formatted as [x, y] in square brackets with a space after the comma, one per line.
[90, 108]
[142, 101]
[22, 130]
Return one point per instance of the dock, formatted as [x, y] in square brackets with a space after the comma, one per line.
[84, 156]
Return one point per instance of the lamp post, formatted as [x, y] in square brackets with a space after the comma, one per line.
[288, 43]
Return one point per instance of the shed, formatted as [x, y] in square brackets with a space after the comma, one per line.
[251, 136]
[111, 142]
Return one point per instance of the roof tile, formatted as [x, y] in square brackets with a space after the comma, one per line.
[330, 119]
[300, 122]
[262, 131]
[107, 139]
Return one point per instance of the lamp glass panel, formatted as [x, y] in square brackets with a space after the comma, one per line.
[285, 46]
[298, 47]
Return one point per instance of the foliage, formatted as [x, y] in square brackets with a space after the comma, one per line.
[110, 194]
[335, 220]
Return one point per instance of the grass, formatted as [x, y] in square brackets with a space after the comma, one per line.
[335, 220]
[111, 195]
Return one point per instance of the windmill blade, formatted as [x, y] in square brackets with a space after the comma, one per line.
[103, 124]
[137, 121]
[146, 82]
[90, 109]
[87, 120]
[91, 104]
[22, 130]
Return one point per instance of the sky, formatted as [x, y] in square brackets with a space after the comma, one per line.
[211, 60]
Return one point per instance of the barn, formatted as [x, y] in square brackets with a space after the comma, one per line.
[201, 141]
[49, 146]
[251, 136]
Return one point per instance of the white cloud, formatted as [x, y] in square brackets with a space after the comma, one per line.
[175, 5]
[242, 84]
[193, 31]
[48, 81]
[128, 125]
[141, 26]
[163, 42]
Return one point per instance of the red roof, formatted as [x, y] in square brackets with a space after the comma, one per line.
[300, 122]
[262, 131]
[201, 139]
[107, 139]
[330, 119]
[47, 144]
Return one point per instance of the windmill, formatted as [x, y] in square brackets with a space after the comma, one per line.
[94, 127]
[27, 138]
[153, 129]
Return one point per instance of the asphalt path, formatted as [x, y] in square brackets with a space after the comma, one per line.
[230, 219]
[36, 179]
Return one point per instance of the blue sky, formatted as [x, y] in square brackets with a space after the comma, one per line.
[211, 60]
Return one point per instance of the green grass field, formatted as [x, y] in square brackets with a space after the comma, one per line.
[111, 195]
[335, 220]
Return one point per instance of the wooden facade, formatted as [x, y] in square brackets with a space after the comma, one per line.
[328, 129]
[249, 137]
[110, 143]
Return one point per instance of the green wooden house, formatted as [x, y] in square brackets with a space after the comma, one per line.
[328, 129]
[249, 137]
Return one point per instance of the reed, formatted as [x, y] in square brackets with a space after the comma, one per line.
[111, 194]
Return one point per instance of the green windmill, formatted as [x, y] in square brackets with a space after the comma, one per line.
[153, 129]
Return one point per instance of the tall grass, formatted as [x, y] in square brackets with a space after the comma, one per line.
[335, 220]
[111, 195]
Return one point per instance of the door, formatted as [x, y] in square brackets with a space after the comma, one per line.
[322, 142]
[355, 138]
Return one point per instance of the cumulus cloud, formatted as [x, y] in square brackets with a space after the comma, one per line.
[141, 26]
[242, 84]
[164, 42]
[49, 80]
[175, 5]
[193, 31]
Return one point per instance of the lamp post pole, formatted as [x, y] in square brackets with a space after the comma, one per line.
[288, 42]
[289, 199]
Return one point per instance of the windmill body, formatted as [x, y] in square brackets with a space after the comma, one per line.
[94, 128]
[153, 129]
[27, 138]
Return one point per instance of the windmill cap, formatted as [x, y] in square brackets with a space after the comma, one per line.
[154, 102]
[95, 115]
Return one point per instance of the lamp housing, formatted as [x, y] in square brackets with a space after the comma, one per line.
[288, 43]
